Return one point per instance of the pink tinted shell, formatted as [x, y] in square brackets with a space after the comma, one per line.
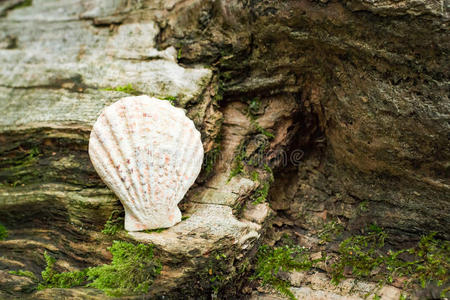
[149, 154]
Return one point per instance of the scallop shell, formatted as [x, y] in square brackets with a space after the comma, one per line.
[149, 153]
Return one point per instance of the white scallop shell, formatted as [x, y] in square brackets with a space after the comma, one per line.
[149, 153]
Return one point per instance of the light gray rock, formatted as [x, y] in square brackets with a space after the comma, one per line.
[60, 65]
[317, 286]
[207, 227]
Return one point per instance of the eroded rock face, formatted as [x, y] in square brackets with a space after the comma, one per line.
[371, 83]
[60, 67]
[347, 101]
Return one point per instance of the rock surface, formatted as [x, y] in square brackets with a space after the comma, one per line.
[346, 100]
[372, 123]
[57, 76]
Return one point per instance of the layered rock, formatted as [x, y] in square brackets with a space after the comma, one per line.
[346, 100]
[60, 67]
[371, 81]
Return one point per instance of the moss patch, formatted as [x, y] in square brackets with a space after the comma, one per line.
[216, 273]
[261, 130]
[260, 195]
[131, 272]
[20, 168]
[157, 230]
[254, 106]
[52, 279]
[362, 257]
[366, 258]
[238, 164]
[3, 232]
[114, 223]
[172, 99]
[330, 231]
[129, 89]
[211, 157]
[272, 261]
[24, 273]
[22, 4]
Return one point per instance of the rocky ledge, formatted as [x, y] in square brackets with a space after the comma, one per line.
[311, 113]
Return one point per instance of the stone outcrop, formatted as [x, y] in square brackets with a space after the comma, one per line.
[62, 68]
[370, 77]
[345, 100]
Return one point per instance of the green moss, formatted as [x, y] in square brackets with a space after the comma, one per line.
[226, 76]
[260, 195]
[157, 230]
[362, 253]
[211, 157]
[172, 99]
[24, 273]
[366, 255]
[238, 164]
[23, 159]
[402, 297]
[219, 90]
[262, 130]
[34, 152]
[432, 261]
[25, 164]
[3, 232]
[244, 266]
[237, 169]
[330, 231]
[217, 275]
[255, 176]
[363, 206]
[52, 279]
[24, 3]
[271, 261]
[114, 223]
[269, 171]
[254, 106]
[129, 89]
[21, 168]
[426, 263]
[237, 209]
[132, 271]
[218, 97]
